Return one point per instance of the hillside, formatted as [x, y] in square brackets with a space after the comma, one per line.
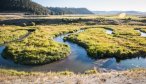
[30, 7]
[26, 6]
[61, 11]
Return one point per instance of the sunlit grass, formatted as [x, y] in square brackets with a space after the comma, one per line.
[124, 42]
[39, 47]
[10, 33]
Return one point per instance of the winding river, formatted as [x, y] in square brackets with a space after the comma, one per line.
[77, 61]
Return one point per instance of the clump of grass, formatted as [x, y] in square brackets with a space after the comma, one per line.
[143, 30]
[92, 71]
[10, 33]
[39, 47]
[16, 73]
[125, 30]
[66, 73]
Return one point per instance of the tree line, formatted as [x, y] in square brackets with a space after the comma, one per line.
[27, 6]
[62, 11]
[33, 8]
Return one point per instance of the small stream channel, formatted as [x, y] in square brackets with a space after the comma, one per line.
[142, 34]
[77, 61]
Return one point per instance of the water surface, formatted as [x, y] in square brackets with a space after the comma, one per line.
[77, 61]
[142, 34]
[108, 31]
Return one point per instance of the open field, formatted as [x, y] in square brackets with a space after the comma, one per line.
[69, 16]
[89, 20]
[121, 77]
[72, 42]
[40, 48]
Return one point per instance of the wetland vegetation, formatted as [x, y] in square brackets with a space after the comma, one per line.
[40, 44]
[39, 48]
[125, 42]
[10, 33]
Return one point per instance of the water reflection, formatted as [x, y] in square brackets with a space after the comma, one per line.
[78, 60]
[109, 31]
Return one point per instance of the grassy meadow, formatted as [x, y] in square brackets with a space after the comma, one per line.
[125, 42]
[40, 48]
[10, 33]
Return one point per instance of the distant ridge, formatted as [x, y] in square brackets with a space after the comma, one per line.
[118, 12]
[61, 11]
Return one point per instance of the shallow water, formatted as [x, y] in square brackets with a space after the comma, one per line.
[109, 31]
[77, 61]
[142, 33]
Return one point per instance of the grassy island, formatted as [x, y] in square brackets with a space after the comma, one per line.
[125, 42]
[39, 47]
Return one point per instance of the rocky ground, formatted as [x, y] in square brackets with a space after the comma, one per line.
[122, 77]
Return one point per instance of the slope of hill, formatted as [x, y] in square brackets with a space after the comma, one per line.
[61, 11]
[30, 7]
[27, 6]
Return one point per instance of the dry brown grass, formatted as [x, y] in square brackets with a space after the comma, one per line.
[129, 76]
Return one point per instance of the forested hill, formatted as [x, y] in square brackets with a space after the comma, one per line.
[30, 7]
[61, 11]
[27, 6]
